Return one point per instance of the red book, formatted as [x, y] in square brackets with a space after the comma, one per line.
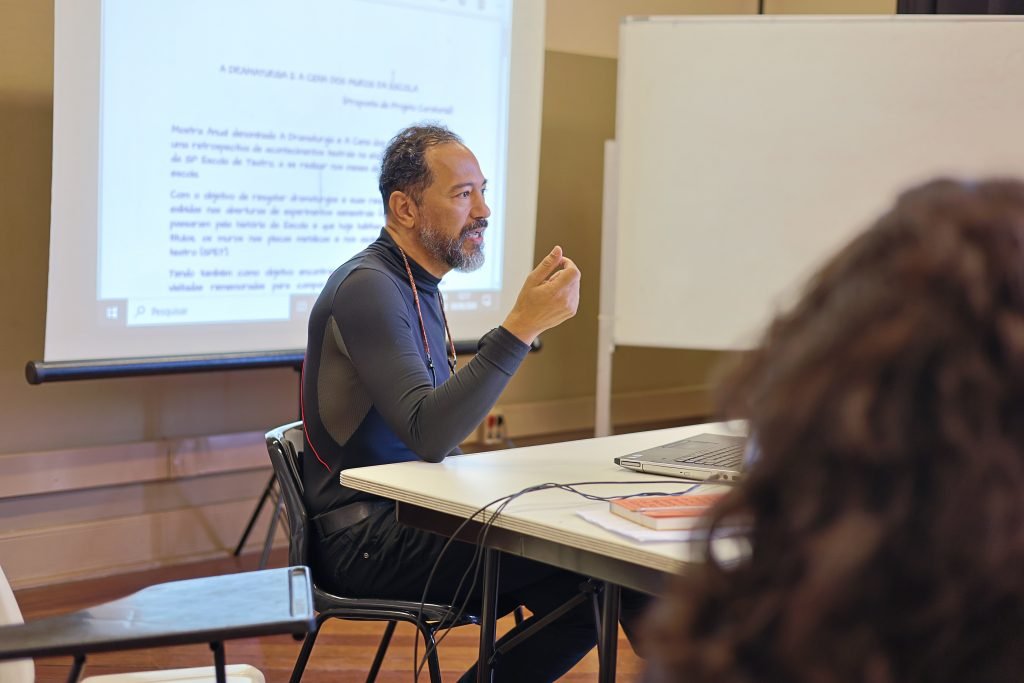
[665, 512]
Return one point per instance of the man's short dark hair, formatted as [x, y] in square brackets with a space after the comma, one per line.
[404, 166]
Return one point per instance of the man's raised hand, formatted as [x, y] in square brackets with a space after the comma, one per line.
[549, 297]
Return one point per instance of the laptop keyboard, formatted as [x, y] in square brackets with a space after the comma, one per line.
[724, 456]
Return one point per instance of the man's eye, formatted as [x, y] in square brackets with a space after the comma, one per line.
[465, 195]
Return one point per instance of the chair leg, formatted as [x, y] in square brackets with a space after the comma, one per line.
[432, 662]
[307, 649]
[596, 603]
[382, 649]
[76, 669]
[255, 514]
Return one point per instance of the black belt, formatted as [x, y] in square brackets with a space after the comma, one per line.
[347, 515]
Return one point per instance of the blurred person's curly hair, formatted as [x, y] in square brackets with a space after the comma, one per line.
[884, 519]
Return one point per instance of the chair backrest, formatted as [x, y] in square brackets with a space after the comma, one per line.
[19, 670]
[284, 445]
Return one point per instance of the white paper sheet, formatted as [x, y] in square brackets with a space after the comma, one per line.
[620, 525]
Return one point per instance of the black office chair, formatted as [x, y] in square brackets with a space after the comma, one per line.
[284, 445]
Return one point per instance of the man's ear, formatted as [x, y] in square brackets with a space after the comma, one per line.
[403, 209]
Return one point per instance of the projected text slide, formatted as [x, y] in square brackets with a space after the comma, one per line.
[239, 168]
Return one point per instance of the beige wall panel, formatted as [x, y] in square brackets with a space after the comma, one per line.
[124, 544]
[77, 468]
[591, 27]
[40, 472]
[99, 412]
[92, 505]
[224, 453]
[628, 408]
[26, 46]
[830, 6]
[639, 369]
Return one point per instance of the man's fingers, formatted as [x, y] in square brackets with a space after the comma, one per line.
[547, 265]
[569, 271]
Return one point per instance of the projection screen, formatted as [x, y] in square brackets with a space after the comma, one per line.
[214, 161]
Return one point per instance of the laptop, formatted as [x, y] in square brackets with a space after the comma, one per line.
[701, 457]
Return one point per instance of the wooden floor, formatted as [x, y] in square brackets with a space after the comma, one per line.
[342, 654]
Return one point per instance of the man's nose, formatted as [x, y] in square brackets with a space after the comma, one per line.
[482, 210]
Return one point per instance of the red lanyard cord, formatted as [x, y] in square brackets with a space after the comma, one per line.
[452, 358]
[302, 415]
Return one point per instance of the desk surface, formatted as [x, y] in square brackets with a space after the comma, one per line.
[205, 610]
[458, 486]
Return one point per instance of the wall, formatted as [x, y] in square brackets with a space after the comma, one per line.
[104, 476]
[591, 27]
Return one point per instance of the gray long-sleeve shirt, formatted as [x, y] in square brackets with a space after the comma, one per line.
[368, 395]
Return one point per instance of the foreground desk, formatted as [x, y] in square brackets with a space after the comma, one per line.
[545, 525]
[206, 610]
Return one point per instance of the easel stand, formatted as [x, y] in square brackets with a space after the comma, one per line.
[271, 492]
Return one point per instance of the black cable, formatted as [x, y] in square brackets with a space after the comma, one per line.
[430, 578]
[478, 555]
[474, 564]
[486, 526]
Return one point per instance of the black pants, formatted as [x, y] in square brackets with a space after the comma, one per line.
[381, 558]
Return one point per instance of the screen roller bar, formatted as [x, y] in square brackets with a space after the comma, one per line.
[39, 372]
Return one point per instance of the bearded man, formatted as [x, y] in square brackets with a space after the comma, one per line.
[380, 386]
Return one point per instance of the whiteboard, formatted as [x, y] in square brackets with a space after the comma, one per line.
[750, 149]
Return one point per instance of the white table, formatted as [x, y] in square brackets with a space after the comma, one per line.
[544, 525]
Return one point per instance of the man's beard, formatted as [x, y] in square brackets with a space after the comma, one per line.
[449, 250]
